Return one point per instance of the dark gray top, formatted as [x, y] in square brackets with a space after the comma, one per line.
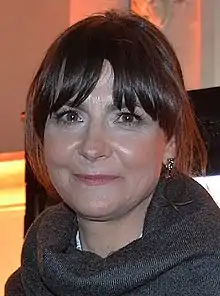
[178, 254]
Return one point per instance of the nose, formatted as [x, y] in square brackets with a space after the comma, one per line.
[95, 145]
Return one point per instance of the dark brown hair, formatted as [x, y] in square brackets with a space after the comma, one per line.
[145, 69]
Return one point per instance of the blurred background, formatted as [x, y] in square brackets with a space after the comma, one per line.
[26, 30]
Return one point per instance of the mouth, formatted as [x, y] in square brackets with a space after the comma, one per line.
[96, 180]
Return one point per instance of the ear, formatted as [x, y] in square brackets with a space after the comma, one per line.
[170, 150]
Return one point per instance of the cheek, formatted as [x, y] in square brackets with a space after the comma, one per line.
[142, 151]
[58, 146]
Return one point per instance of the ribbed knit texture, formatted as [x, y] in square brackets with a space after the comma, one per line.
[178, 254]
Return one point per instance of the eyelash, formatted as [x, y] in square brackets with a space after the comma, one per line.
[60, 117]
[137, 117]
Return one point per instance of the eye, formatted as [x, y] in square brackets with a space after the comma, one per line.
[72, 116]
[68, 117]
[128, 118]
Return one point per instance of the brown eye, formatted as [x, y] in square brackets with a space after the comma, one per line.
[127, 117]
[68, 117]
[73, 116]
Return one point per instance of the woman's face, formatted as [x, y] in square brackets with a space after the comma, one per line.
[103, 162]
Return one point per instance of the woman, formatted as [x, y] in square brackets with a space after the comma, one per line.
[111, 132]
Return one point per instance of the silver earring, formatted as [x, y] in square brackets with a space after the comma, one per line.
[169, 167]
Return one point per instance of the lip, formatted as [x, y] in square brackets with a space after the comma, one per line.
[96, 180]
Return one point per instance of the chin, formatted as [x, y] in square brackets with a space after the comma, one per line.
[100, 213]
[98, 217]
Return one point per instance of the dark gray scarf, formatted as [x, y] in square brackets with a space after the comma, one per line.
[177, 231]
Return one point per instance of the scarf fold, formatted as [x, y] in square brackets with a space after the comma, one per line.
[51, 264]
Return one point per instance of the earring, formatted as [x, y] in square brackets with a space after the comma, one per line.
[169, 167]
[174, 186]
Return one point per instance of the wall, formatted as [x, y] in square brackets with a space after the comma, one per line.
[211, 42]
[26, 29]
[80, 9]
[216, 33]
[184, 32]
[194, 32]
[217, 43]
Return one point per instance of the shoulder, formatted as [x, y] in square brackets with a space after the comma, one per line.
[202, 210]
[50, 215]
[188, 216]
[190, 197]
[200, 215]
[13, 286]
[198, 276]
[45, 220]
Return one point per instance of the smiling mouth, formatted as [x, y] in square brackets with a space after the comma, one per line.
[95, 180]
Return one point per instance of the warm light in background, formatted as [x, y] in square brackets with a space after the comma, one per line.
[12, 184]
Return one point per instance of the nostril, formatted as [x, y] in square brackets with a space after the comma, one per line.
[92, 153]
[95, 148]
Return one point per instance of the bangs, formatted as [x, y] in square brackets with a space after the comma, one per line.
[75, 65]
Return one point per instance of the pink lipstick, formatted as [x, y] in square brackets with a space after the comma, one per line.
[95, 180]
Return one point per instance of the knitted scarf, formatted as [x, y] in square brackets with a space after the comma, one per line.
[173, 233]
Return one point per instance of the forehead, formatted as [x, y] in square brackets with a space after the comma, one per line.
[105, 82]
[102, 94]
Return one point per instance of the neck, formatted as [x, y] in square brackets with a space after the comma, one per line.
[106, 237]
